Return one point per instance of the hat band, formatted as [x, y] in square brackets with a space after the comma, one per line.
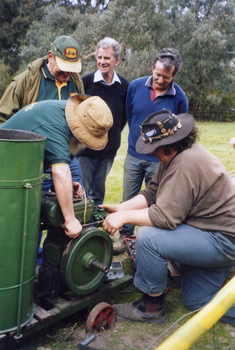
[150, 136]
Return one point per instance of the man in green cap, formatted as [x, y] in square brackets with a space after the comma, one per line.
[52, 77]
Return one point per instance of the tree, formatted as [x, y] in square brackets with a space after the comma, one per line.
[202, 30]
[4, 77]
[16, 17]
[90, 6]
[136, 25]
[57, 20]
[206, 44]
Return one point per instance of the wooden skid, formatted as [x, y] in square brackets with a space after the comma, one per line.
[65, 306]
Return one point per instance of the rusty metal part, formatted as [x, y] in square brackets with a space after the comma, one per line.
[130, 242]
[92, 223]
[99, 266]
[102, 316]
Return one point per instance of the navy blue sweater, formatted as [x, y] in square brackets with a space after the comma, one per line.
[115, 97]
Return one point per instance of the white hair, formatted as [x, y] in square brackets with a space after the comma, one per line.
[109, 42]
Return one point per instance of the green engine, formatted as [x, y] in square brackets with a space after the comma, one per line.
[78, 265]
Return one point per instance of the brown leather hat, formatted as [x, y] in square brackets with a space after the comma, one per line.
[163, 128]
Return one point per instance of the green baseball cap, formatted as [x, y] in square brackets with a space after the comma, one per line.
[66, 51]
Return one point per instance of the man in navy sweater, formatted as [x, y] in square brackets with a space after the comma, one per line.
[112, 88]
[145, 96]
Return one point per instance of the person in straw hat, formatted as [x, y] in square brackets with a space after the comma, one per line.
[186, 215]
[68, 126]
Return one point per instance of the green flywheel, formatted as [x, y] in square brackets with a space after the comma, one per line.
[80, 277]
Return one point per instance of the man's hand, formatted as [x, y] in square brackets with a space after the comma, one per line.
[113, 222]
[62, 180]
[72, 228]
[110, 208]
[78, 190]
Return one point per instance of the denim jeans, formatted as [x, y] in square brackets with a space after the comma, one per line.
[94, 173]
[205, 259]
[135, 172]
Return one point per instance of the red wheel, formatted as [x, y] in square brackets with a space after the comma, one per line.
[102, 316]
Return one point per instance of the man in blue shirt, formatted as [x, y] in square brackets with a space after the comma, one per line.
[145, 96]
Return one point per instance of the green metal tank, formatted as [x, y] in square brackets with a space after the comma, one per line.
[21, 177]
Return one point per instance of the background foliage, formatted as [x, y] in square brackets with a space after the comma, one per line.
[202, 30]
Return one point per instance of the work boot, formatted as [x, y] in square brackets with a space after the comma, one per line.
[119, 246]
[143, 310]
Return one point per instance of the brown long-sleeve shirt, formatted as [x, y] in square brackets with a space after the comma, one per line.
[194, 189]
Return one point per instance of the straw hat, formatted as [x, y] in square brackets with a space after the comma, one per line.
[89, 119]
[163, 128]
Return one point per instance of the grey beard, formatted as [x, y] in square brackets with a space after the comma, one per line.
[75, 145]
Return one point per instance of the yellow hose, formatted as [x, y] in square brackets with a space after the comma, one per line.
[192, 330]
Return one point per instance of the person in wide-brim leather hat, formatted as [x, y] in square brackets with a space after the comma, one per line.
[163, 128]
[186, 214]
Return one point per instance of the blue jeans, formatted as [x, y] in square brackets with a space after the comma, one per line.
[135, 172]
[94, 173]
[46, 186]
[205, 259]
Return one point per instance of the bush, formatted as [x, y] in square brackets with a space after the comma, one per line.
[4, 77]
[213, 114]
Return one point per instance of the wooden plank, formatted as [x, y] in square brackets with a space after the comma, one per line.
[12, 334]
[54, 311]
[2, 337]
[59, 303]
[40, 314]
[32, 323]
[172, 268]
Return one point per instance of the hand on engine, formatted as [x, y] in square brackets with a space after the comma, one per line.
[72, 228]
[110, 208]
[113, 222]
[78, 190]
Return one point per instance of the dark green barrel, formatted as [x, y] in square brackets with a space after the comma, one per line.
[21, 176]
